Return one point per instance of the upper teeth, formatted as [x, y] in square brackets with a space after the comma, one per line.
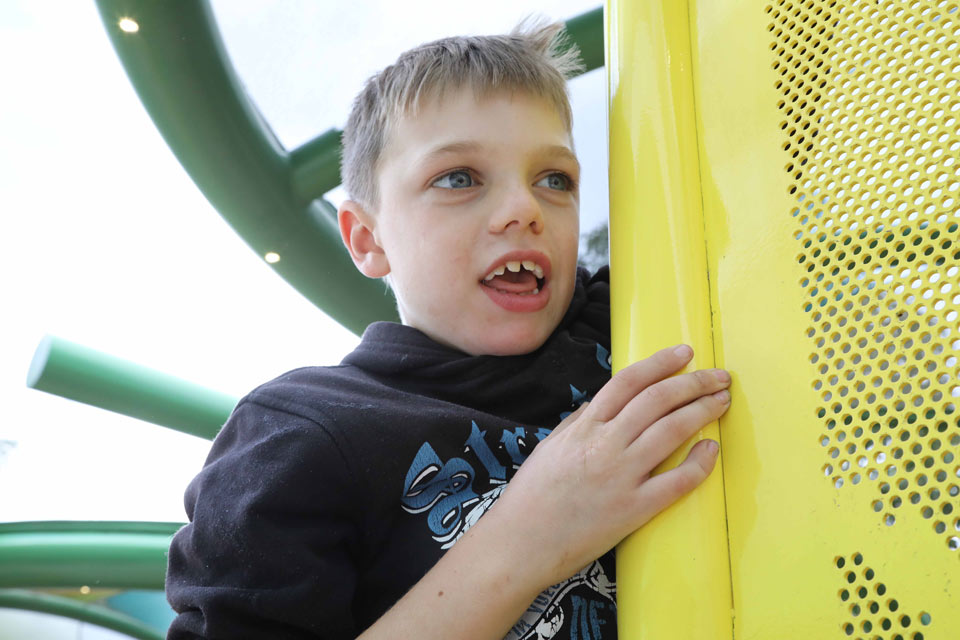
[514, 266]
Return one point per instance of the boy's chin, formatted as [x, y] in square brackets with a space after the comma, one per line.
[495, 339]
[506, 344]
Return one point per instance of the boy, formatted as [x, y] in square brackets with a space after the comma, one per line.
[347, 499]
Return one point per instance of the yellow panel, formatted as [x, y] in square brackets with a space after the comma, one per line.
[827, 145]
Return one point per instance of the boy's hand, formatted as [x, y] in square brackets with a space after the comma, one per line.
[583, 489]
[588, 485]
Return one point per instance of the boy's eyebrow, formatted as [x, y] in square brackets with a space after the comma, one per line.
[470, 146]
[453, 147]
[558, 150]
[444, 149]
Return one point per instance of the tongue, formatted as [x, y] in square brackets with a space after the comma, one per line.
[510, 282]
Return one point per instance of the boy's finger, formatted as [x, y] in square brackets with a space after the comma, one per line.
[630, 381]
[664, 397]
[667, 434]
[662, 490]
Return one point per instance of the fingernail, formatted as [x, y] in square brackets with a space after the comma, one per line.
[722, 376]
[713, 447]
[683, 351]
[722, 396]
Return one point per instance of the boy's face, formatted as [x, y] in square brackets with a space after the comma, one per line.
[470, 187]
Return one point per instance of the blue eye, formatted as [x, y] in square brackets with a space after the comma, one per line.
[454, 180]
[556, 181]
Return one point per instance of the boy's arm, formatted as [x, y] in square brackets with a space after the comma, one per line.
[584, 488]
[270, 547]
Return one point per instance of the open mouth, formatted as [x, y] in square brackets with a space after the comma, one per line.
[516, 277]
[519, 281]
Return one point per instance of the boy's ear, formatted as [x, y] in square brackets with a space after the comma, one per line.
[357, 231]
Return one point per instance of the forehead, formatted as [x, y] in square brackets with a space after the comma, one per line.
[463, 121]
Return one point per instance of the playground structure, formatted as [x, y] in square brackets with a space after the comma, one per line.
[802, 159]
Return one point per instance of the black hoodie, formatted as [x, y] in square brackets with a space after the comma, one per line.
[332, 490]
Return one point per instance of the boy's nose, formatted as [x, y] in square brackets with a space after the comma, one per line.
[519, 210]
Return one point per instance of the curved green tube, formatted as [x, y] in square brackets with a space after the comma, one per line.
[177, 63]
[85, 612]
[110, 555]
[80, 373]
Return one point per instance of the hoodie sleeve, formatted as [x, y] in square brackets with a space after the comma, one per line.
[270, 548]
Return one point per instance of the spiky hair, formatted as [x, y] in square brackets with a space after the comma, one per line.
[536, 58]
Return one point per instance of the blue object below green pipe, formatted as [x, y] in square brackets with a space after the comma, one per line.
[86, 612]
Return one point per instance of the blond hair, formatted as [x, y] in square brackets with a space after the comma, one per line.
[536, 57]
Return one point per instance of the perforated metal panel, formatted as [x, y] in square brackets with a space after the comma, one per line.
[874, 610]
[818, 154]
[871, 107]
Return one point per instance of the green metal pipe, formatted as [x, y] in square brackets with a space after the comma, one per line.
[79, 373]
[586, 30]
[85, 612]
[178, 65]
[316, 166]
[107, 555]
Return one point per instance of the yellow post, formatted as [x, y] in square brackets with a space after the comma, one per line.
[676, 566]
[785, 191]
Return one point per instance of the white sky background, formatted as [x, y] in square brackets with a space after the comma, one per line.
[110, 244]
